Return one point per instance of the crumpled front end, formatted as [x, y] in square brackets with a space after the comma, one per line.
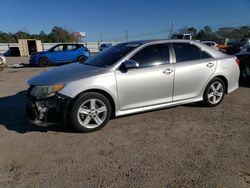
[47, 111]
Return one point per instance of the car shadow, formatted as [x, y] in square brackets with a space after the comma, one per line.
[13, 116]
[20, 65]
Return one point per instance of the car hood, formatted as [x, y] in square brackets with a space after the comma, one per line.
[65, 74]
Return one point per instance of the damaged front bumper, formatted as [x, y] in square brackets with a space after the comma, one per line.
[49, 111]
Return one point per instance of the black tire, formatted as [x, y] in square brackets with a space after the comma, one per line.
[77, 120]
[44, 62]
[81, 59]
[212, 97]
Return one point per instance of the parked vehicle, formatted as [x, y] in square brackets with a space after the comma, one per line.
[212, 44]
[234, 48]
[60, 54]
[2, 59]
[104, 46]
[129, 78]
[223, 43]
[12, 52]
[245, 42]
[182, 36]
[244, 57]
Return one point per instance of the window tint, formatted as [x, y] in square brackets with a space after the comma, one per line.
[58, 48]
[152, 55]
[71, 47]
[188, 52]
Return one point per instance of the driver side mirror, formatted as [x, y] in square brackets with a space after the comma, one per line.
[129, 64]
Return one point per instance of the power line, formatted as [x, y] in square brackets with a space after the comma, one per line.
[169, 31]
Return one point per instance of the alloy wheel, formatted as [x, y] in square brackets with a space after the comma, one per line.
[215, 92]
[92, 113]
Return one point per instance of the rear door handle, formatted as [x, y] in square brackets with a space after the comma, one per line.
[168, 71]
[210, 65]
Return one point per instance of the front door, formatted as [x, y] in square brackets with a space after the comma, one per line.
[149, 84]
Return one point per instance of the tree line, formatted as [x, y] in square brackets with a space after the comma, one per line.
[207, 33]
[59, 34]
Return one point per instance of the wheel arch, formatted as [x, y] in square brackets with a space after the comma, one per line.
[104, 93]
[81, 55]
[44, 56]
[224, 79]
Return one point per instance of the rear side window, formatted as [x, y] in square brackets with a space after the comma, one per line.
[152, 55]
[71, 47]
[188, 52]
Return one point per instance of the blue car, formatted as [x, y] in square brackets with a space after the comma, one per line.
[105, 46]
[60, 54]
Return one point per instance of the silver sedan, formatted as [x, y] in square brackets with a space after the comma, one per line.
[128, 78]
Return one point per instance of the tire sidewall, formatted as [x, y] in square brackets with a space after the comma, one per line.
[81, 57]
[42, 65]
[76, 105]
[206, 101]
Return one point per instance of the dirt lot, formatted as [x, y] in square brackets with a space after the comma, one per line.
[185, 146]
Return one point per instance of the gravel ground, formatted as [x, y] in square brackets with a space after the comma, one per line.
[185, 146]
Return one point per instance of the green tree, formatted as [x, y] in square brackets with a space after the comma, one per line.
[207, 34]
[244, 31]
[43, 36]
[21, 35]
[59, 34]
[6, 37]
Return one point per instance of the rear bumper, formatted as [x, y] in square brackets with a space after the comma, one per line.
[50, 111]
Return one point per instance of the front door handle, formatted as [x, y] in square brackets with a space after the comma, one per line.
[210, 65]
[168, 71]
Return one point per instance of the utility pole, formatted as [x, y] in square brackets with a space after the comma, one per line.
[171, 29]
[126, 35]
[101, 37]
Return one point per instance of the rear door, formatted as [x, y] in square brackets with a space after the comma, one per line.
[193, 68]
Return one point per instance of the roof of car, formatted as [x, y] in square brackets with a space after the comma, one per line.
[160, 40]
[70, 43]
[213, 52]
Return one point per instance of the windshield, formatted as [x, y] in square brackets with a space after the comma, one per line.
[111, 55]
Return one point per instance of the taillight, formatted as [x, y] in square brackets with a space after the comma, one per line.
[237, 61]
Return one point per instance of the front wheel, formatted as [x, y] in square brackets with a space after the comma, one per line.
[214, 92]
[44, 62]
[90, 112]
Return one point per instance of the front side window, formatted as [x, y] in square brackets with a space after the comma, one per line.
[152, 55]
[188, 52]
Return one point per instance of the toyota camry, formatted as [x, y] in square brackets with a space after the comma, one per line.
[128, 78]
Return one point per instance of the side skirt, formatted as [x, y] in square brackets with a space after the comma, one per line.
[155, 107]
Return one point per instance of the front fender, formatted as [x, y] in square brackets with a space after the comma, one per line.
[106, 83]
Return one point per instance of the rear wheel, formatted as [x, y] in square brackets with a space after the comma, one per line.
[44, 62]
[81, 59]
[90, 112]
[214, 92]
